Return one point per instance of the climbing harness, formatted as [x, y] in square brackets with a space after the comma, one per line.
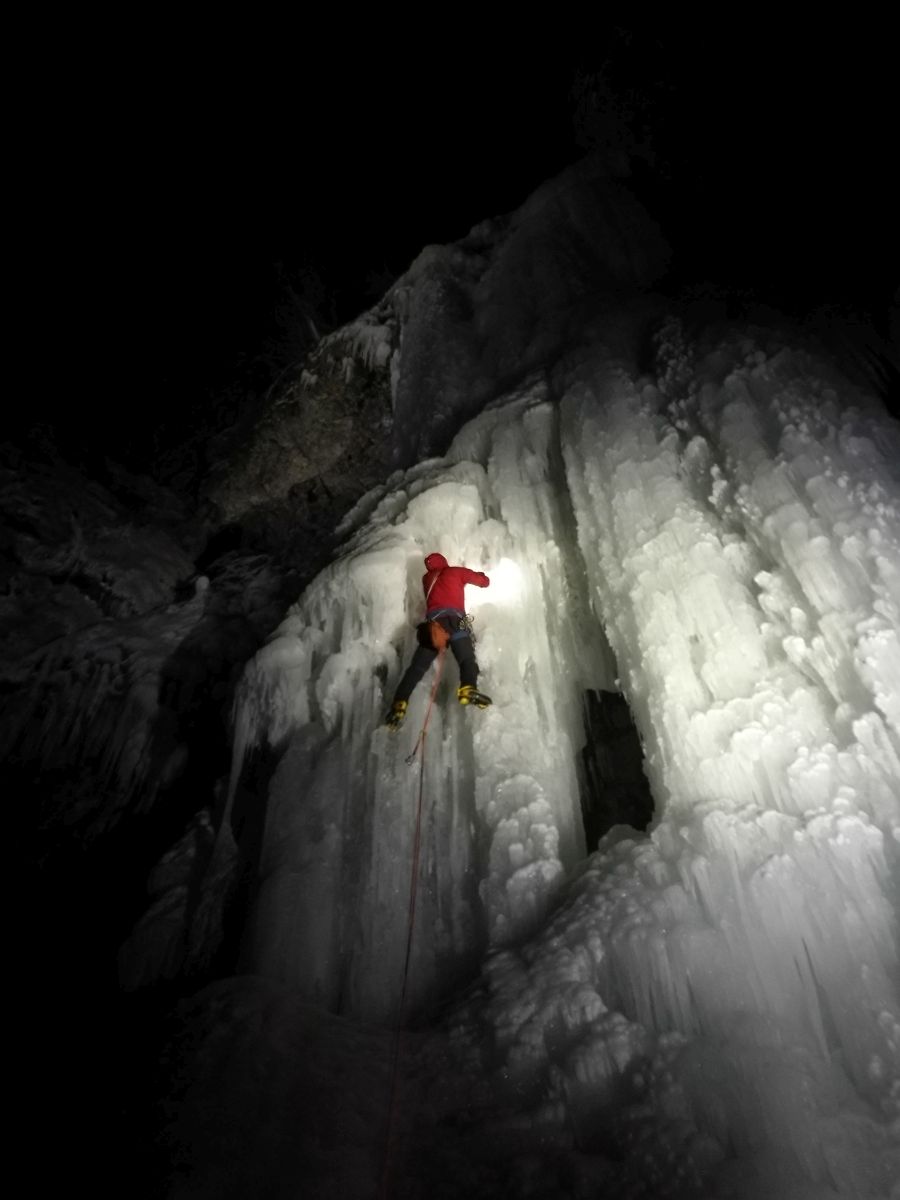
[464, 622]
[411, 919]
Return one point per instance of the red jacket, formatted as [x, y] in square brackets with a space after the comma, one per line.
[449, 583]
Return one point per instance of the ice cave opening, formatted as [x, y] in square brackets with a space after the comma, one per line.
[614, 788]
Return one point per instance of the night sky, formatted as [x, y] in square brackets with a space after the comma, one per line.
[194, 174]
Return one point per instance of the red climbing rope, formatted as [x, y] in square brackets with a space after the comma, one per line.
[420, 740]
[411, 921]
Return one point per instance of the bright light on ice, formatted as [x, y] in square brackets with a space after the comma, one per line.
[506, 586]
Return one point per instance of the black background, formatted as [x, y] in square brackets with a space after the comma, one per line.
[178, 181]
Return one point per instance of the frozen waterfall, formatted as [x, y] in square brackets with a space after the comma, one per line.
[721, 544]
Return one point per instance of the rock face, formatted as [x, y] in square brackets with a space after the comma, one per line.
[324, 437]
[90, 616]
[462, 325]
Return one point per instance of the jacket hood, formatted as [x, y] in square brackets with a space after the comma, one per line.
[435, 562]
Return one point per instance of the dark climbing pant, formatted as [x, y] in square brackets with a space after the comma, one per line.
[463, 652]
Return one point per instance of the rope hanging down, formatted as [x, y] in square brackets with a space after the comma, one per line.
[411, 920]
[420, 740]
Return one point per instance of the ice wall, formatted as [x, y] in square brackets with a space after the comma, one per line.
[718, 998]
[501, 809]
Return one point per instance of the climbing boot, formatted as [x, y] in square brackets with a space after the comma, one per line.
[397, 715]
[469, 694]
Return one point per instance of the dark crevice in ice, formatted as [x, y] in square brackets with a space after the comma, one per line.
[614, 788]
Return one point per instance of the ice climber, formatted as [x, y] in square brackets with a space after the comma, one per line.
[445, 620]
